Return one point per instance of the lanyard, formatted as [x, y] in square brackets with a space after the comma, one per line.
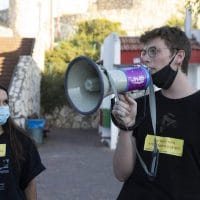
[152, 105]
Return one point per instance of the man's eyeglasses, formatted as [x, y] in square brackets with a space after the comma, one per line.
[151, 51]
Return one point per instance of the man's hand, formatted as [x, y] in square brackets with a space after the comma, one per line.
[125, 110]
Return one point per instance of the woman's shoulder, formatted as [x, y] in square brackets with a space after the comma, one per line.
[23, 136]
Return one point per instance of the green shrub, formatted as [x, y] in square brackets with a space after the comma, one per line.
[86, 41]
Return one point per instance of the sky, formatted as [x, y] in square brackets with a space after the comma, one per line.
[68, 6]
[4, 4]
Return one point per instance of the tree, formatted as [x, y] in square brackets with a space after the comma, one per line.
[176, 21]
[87, 41]
[195, 6]
[179, 18]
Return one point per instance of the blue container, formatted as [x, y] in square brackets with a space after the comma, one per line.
[35, 123]
[35, 129]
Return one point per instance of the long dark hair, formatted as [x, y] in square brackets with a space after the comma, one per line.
[12, 130]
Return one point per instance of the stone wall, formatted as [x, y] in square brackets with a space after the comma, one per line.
[68, 118]
[115, 4]
[24, 91]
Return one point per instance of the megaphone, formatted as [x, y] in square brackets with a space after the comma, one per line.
[86, 83]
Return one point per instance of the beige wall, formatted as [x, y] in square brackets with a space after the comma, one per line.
[31, 17]
[134, 15]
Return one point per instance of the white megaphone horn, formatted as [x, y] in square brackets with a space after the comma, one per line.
[86, 83]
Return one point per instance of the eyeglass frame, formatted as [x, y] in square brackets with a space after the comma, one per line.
[157, 50]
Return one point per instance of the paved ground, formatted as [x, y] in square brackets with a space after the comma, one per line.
[78, 166]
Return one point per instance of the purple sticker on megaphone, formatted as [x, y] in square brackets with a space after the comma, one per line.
[138, 77]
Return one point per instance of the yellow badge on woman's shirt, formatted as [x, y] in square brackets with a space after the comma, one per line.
[166, 145]
[2, 150]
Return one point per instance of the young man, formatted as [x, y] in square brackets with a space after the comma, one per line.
[166, 52]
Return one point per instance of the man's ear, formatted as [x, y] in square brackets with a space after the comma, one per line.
[180, 55]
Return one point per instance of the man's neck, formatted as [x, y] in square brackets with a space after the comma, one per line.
[180, 88]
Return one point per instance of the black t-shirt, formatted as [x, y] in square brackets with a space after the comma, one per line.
[12, 180]
[178, 131]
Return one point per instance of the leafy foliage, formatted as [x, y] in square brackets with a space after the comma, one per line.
[87, 41]
[178, 19]
[175, 21]
[195, 7]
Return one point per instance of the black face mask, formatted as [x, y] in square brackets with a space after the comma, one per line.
[164, 77]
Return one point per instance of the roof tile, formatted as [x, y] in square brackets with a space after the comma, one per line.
[133, 43]
[10, 50]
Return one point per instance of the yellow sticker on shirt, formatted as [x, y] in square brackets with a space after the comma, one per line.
[2, 150]
[167, 145]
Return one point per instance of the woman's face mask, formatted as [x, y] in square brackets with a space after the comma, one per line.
[4, 114]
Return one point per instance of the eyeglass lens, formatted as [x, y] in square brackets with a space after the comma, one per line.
[151, 51]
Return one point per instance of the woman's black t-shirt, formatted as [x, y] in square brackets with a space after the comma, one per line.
[12, 180]
[178, 138]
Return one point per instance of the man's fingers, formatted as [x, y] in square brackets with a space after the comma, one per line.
[122, 107]
[129, 99]
[124, 110]
[126, 102]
